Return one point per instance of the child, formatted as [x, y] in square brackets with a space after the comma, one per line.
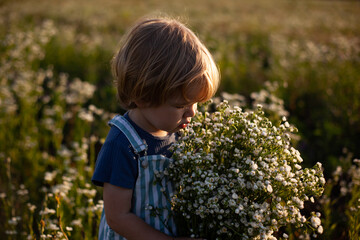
[162, 70]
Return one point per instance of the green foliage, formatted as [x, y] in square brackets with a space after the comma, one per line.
[48, 149]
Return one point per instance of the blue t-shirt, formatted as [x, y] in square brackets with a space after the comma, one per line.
[117, 163]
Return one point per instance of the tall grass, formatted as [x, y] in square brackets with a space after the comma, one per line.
[47, 147]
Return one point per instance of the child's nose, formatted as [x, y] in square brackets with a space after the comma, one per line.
[191, 110]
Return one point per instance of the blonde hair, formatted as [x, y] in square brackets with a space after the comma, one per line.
[160, 57]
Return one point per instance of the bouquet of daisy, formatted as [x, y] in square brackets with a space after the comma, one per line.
[237, 176]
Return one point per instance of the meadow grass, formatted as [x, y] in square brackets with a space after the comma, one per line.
[57, 94]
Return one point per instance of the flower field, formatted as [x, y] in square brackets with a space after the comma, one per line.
[300, 60]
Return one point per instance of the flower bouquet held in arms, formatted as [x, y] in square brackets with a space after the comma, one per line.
[236, 176]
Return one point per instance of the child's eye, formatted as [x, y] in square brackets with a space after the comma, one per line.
[180, 107]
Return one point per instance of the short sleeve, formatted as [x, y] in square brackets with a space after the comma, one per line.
[116, 163]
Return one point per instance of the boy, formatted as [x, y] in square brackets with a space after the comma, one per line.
[162, 71]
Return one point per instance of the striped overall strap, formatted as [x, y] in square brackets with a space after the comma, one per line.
[146, 193]
[123, 125]
[105, 233]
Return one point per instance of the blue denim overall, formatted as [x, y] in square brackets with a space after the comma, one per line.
[148, 192]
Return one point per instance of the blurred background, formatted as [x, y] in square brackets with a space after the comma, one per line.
[301, 59]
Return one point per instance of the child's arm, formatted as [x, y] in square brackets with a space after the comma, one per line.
[117, 204]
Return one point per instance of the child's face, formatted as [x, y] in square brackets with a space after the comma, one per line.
[169, 117]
